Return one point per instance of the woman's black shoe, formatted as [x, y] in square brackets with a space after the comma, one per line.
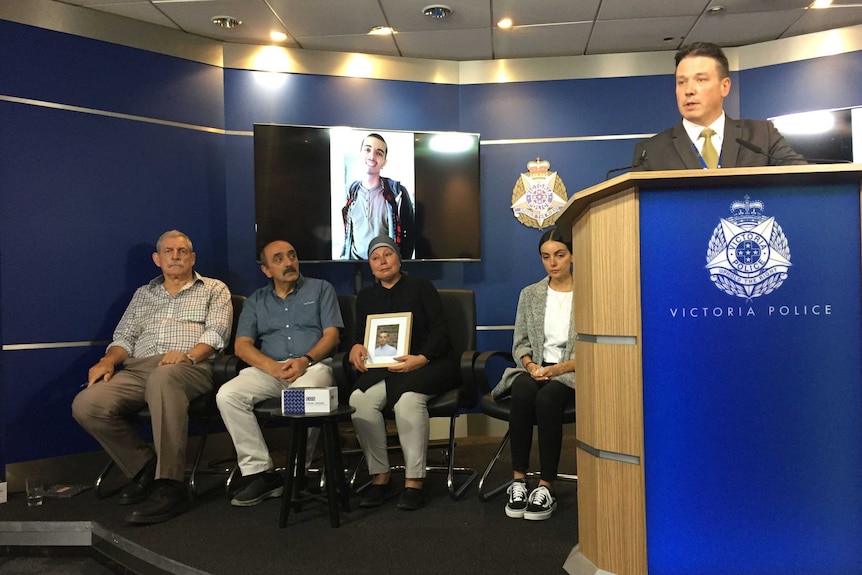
[374, 495]
[411, 499]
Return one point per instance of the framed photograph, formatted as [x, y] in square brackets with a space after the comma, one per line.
[387, 336]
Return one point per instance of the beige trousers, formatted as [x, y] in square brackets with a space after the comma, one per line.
[167, 390]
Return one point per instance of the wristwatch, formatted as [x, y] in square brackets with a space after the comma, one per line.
[310, 359]
[191, 358]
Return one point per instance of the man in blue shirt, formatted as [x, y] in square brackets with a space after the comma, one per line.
[384, 348]
[297, 322]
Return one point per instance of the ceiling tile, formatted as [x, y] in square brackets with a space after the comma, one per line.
[545, 11]
[143, 11]
[196, 18]
[819, 20]
[741, 29]
[567, 40]
[641, 35]
[407, 16]
[447, 44]
[363, 43]
[628, 10]
[321, 18]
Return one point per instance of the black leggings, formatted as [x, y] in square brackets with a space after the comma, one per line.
[540, 403]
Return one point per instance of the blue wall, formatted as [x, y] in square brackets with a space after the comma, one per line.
[86, 193]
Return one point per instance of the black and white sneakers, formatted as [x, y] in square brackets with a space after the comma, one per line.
[540, 504]
[517, 503]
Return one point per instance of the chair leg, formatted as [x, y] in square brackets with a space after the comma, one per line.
[202, 443]
[98, 487]
[450, 469]
[486, 495]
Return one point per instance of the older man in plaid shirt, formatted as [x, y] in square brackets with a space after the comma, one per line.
[165, 340]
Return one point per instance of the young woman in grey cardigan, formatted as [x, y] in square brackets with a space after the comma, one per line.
[544, 384]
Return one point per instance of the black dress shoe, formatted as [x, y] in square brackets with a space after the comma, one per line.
[169, 499]
[138, 489]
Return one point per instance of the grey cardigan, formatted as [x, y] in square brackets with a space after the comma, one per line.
[530, 337]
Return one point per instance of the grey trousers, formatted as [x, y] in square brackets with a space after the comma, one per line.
[167, 390]
[411, 419]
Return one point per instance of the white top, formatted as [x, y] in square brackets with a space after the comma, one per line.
[558, 316]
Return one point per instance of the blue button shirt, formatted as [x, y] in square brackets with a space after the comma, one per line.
[290, 327]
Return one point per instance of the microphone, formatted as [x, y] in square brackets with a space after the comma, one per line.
[641, 161]
[758, 150]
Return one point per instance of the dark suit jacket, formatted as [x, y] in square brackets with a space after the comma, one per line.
[673, 150]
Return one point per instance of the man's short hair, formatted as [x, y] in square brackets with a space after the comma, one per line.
[261, 258]
[173, 234]
[708, 50]
[379, 137]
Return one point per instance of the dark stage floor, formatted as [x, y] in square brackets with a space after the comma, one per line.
[447, 536]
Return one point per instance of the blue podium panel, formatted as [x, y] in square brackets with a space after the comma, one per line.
[751, 380]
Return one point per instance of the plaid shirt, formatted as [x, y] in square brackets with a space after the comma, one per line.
[156, 322]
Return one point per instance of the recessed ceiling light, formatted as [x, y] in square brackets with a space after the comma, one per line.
[716, 9]
[436, 11]
[381, 31]
[278, 36]
[226, 21]
[821, 4]
[505, 23]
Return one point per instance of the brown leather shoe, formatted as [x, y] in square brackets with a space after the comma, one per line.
[138, 489]
[169, 499]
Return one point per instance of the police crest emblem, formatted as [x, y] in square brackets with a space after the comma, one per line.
[748, 255]
[539, 195]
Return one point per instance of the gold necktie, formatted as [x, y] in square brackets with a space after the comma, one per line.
[709, 155]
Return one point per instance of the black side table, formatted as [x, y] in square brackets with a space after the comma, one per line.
[294, 468]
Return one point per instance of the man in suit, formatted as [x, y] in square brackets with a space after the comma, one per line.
[702, 83]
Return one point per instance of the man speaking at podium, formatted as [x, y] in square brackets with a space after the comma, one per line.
[706, 137]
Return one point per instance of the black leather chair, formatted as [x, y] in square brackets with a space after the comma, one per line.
[202, 408]
[499, 409]
[460, 309]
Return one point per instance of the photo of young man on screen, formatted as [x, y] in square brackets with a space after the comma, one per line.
[376, 205]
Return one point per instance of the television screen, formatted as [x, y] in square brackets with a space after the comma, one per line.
[821, 136]
[330, 190]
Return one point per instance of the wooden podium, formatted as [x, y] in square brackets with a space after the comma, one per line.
[719, 432]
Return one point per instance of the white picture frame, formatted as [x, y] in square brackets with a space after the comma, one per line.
[396, 327]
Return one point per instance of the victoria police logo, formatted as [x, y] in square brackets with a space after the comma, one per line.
[539, 195]
[748, 255]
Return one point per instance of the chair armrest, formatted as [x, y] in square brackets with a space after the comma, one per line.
[469, 392]
[481, 366]
[344, 375]
[225, 368]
